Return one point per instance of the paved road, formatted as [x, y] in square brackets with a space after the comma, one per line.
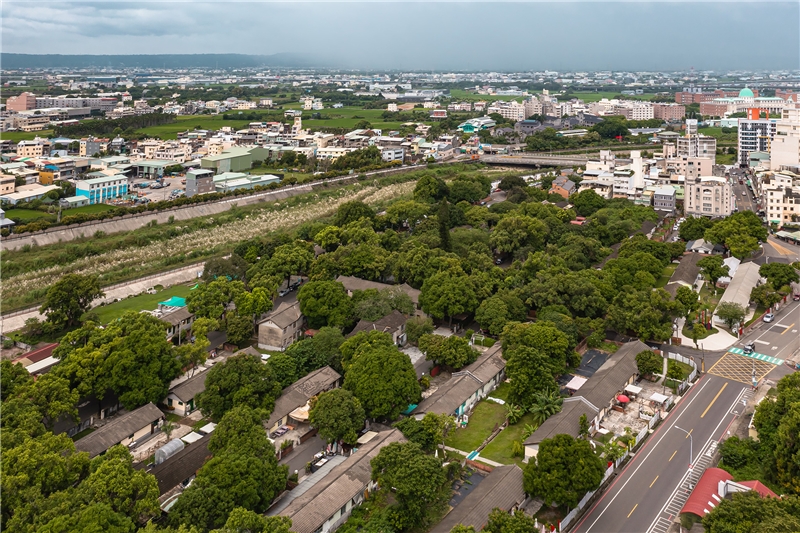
[636, 498]
[781, 337]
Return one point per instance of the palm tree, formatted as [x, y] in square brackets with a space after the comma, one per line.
[545, 406]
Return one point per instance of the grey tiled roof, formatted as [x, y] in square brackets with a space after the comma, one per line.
[501, 489]
[182, 465]
[357, 284]
[347, 480]
[298, 393]
[463, 384]
[389, 323]
[118, 429]
[190, 388]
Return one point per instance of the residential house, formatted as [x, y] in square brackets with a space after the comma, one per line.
[466, 387]
[5, 223]
[328, 503]
[179, 321]
[281, 327]
[181, 398]
[664, 199]
[747, 278]
[291, 405]
[394, 324]
[593, 397]
[501, 489]
[182, 467]
[127, 429]
[562, 186]
[8, 184]
[73, 201]
[357, 284]
[685, 274]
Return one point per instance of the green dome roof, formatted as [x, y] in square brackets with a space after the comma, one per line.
[745, 93]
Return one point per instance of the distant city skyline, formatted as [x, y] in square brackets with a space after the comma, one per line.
[425, 36]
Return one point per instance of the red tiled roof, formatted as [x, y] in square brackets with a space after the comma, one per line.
[37, 355]
[760, 488]
[704, 497]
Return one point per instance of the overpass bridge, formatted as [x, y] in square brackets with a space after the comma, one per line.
[535, 160]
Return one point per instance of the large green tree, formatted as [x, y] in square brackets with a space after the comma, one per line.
[748, 512]
[529, 372]
[325, 303]
[563, 471]
[417, 481]
[779, 274]
[69, 298]
[730, 312]
[545, 337]
[209, 300]
[338, 415]
[448, 293]
[384, 381]
[514, 232]
[713, 268]
[243, 521]
[453, 351]
[353, 211]
[240, 380]
[430, 189]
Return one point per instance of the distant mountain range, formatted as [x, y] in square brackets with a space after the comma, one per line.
[156, 61]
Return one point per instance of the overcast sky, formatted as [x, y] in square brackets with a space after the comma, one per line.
[419, 35]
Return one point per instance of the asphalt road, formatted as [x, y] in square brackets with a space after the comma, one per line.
[637, 496]
[779, 338]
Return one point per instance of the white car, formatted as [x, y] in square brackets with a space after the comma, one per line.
[769, 317]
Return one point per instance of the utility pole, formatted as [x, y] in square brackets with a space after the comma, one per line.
[691, 453]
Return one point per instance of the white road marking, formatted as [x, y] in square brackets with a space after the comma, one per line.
[761, 342]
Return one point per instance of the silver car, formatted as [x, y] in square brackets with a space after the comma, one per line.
[769, 317]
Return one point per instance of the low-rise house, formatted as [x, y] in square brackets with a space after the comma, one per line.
[181, 467]
[685, 275]
[357, 284]
[290, 405]
[73, 201]
[127, 430]
[747, 278]
[562, 186]
[394, 324]
[327, 504]
[467, 387]
[592, 398]
[181, 397]
[502, 489]
[281, 327]
[179, 321]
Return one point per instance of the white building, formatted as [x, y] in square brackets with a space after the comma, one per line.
[708, 196]
[512, 110]
[785, 148]
[755, 136]
[780, 196]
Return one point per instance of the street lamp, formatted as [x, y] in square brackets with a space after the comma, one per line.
[691, 452]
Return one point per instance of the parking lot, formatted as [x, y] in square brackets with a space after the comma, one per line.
[158, 195]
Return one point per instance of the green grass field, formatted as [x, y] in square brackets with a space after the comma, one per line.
[17, 136]
[107, 313]
[664, 279]
[597, 96]
[731, 137]
[482, 422]
[458, 95]
[500, 448]
[28, 215]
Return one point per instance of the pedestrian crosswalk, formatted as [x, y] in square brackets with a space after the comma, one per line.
[759, 356]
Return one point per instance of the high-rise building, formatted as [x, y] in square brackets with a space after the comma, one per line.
[695, 145]
[24, 102]
[755, 135]
[785, 146]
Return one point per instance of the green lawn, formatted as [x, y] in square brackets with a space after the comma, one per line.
[107, 313]
[664, 279]
[482, 422]
[81, 434]
[597, 96]
[731, 137]
[26, 215]
[687, 331]
[457, 95]
[17, 136]
[500, 448]
[95, 208]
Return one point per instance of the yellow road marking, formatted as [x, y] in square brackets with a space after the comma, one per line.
[690, 431]
[714, 400]
[632, 510]
[673, 455]
[780, 249]
[654, 481]
[787, 329]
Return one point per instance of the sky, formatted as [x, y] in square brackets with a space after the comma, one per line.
[421, 35]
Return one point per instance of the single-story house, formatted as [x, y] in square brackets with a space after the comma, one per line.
[357, 284]
[125, 430]
[292, 401]
[181, 467]
[89, 410]
[733, 264]
[742, 284]
[281, 327]
[179, 320]
[327, 504]
[31, 359]
[394, 324]
[593, 398]
[502, 489]
[181, 398]
[685, 274]
[466, 387]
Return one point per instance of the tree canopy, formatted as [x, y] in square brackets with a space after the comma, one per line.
[338, 416]
[69, 298]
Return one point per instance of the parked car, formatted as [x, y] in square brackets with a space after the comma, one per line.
[151, 290]
[156, 185]
[769, 317]
[750, 347]
[796, 296]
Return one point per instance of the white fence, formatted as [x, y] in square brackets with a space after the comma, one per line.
[692, 375]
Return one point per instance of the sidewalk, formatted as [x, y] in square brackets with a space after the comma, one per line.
[718, 341]
[476, 458]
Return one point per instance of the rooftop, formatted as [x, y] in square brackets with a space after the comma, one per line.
[118, 429]
[190, 388]
[298, 393]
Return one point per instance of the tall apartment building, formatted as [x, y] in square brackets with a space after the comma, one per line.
[669, 111]
[634, 110]
[690, 167]
[24, 102]
[89, 146]
[106, 103]
[35, 148]
[708, 197]
[755, 135]
[780, 196]
[785, 147]
[695, 145]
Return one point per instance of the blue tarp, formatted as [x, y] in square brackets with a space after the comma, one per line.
[174, 301]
